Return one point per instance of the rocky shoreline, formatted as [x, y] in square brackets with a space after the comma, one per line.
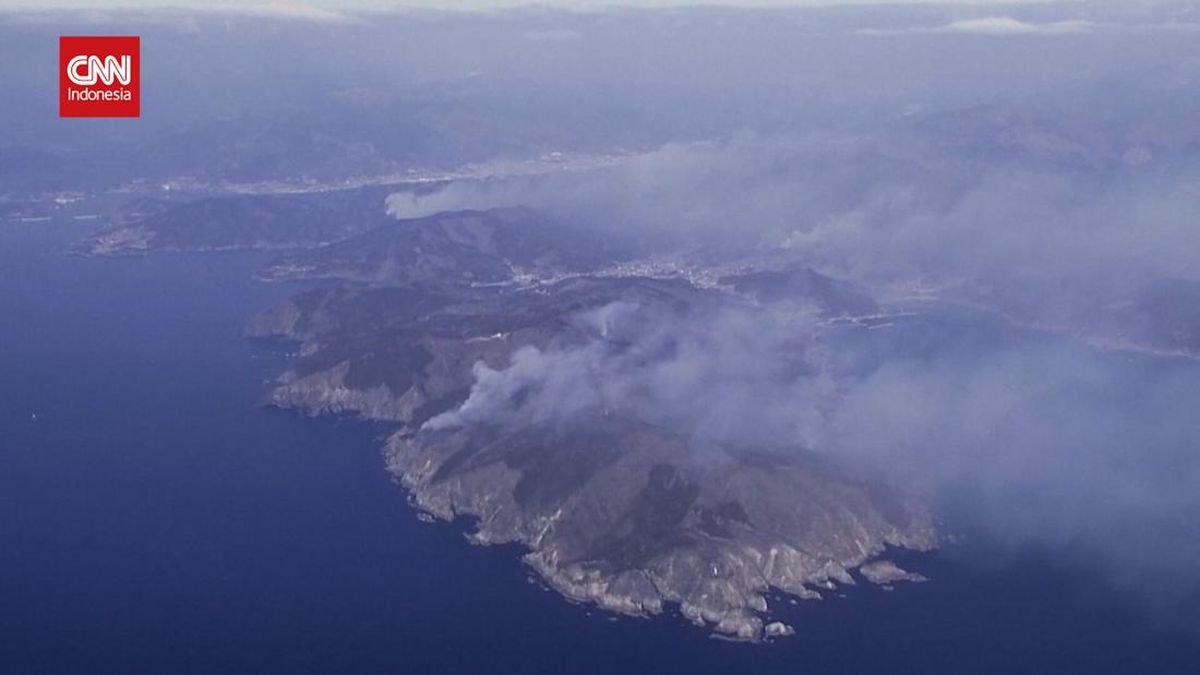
[738, 532]
[614, 511]
[626, 512]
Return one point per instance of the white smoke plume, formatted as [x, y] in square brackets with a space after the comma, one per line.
[1038, 440]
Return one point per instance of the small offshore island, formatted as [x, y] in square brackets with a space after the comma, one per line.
[620, 501]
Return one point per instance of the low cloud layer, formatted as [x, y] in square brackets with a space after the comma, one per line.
[992, 25]
[1005, 25]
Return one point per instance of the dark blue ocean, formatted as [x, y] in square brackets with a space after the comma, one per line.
[155, 519]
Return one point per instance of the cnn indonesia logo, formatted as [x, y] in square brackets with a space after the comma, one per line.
[98, 76]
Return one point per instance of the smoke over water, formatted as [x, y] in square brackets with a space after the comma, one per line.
[1067, 223]
[1037, 439]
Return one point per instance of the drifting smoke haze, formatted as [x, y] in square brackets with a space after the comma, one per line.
[1057, 209]
[1088, 453]
[692, 309]
[877, 210]
[1084, 452]
[723, 376]
[1040, 161]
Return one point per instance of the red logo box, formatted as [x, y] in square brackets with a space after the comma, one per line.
[99, 76]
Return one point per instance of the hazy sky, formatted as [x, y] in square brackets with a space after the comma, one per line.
[285, 7]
